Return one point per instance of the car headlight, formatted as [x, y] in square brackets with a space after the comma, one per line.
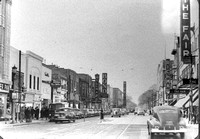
[181, 127]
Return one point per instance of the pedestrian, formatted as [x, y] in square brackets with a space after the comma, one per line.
[32, 113]
[22, 114]
[42, 112]
[101, 116]
[37, 113]
[46, 111]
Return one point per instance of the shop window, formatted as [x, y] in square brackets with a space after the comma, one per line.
[38, 83]
[30, 81]
[34, 82]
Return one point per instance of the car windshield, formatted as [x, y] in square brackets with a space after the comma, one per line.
[167, 111]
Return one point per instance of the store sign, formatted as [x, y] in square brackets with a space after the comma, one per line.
[104, 83]
[185, 31]
[179, 91]
[96, 85]
[168, 74]
[190, 81]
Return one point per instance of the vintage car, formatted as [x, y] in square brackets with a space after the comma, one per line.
[166, 120]
[78, 113]
[140, 112]
[116, 112]
[64, 114]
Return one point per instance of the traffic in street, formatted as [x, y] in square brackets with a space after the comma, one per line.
[129, 126]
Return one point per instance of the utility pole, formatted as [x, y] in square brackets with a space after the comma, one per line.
[199, 74]
[191, 93]
[19, 86]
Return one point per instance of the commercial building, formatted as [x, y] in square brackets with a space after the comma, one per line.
[164, 81]
[85, 84]
[5, 83]
[46, 85]
[117, 98]
[186, 60]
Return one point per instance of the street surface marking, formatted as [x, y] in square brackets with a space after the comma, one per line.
[64, 128]
[103, 130]
[123, 131]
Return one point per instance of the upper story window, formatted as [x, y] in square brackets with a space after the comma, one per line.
[34, 82]
[38, 83]
[30, 81]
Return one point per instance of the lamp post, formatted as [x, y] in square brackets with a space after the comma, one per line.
[14, 71]
[199, 73]
[74, 98]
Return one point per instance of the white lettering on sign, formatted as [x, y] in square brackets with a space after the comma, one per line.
[185, 31]
[185, 7]
[186, 53]
[185, 28]
[185, 16]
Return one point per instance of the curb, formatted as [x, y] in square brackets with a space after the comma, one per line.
[4, 125]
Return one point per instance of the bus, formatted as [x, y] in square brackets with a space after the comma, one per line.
[55, 106]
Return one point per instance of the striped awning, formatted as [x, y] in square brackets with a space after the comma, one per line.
[181, 102]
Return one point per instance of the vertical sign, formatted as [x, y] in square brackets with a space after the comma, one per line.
[104, 83]
[124, 90]
[185, 32]
[97, 86]
[168, 74]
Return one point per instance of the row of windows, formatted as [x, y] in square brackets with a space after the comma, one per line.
[36, 82]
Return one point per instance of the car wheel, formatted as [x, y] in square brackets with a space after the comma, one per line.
[56, 122]
[152, 135]
[74, 121]
[182, 135]
[148, 130]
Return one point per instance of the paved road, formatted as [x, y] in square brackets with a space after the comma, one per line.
[126, 127]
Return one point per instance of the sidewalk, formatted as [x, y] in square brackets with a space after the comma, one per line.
[188, 124]
[4, 124]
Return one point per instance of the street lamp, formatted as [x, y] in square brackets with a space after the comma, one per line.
[14, 71]
[74, 98]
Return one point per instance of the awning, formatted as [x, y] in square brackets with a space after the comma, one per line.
[182, 101]
[196, 102]
[193, 98]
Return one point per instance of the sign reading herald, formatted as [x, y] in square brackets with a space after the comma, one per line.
[185, 31]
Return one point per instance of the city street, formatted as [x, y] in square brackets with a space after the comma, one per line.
[125, 127]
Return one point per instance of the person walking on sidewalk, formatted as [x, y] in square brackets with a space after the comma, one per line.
[101, 116]
[32, 113]
[37, 113]
[22, 114]
[46, 113]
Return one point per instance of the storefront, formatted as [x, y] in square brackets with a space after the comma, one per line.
[4, 90]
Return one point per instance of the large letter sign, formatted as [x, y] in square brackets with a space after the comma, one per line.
[185, 32]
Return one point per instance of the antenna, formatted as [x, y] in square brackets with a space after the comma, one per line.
[165, 51]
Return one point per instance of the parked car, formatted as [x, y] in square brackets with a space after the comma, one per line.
[90, 113]
[166, 119]
[116, 112]
[64, 114]
[140, 112]
[52, 109]
[78, 113]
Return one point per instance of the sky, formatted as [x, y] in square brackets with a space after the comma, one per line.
[126, 39]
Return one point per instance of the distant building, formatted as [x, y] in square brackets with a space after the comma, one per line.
[117, 97]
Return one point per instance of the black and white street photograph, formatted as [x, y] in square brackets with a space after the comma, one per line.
[99, 69]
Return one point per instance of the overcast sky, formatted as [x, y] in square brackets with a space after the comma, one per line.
[124, 38]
